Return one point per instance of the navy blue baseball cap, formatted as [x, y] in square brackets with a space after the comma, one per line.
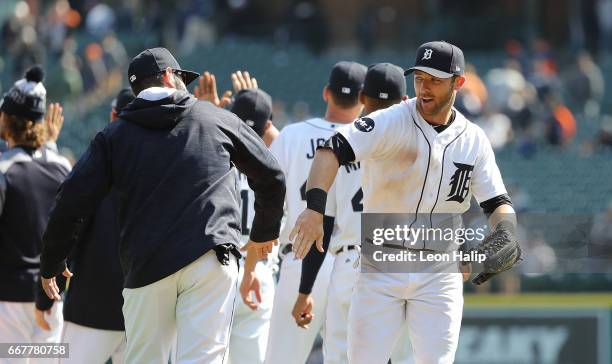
[347, 78]
[155, 60]
[124, 97]
[439, 59]
[254, 107]
[385, 81]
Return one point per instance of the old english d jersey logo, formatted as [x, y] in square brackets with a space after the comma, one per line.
[460, 182]
[364, 124]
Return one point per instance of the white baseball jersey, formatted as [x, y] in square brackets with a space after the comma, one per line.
[410, 167]
[294, 148]
[345, 203]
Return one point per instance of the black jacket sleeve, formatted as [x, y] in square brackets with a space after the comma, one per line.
[314, 259]
[78, 197]
[252, 157]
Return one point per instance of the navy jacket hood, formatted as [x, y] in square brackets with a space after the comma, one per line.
[158, 114]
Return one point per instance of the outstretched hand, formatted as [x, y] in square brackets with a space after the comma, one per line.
[54, 120]
[206, 90]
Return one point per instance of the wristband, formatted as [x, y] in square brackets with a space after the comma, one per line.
[316, 199]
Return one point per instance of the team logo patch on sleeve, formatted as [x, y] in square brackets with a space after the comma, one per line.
[364, 124]
[460, 182]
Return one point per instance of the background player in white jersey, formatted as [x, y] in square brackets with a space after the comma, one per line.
[251, 322]
[422, 156]
[295, 149]
[384, 86]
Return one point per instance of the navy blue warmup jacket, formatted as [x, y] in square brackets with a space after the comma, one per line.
[171, 163]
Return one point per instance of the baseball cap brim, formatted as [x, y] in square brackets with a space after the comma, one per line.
[432, 71]
[188, 76]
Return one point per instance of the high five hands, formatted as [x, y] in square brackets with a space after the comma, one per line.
[206, 89]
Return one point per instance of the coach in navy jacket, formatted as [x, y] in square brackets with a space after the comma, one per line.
[170, 159]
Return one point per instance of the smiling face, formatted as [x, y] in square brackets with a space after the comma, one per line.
[435, 96]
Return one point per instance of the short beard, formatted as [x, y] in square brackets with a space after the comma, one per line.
[448, 100]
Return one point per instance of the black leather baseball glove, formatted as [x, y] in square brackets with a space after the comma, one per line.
[501, 249]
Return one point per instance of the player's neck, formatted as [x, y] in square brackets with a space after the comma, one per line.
[342, 116]
[269, 136]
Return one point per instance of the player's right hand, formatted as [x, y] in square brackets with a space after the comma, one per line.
[307, 230]
[50, 285]
[206, 90]
[259, 250]
[54, 120]
[250, 283]
[242, 80]
[302, 310]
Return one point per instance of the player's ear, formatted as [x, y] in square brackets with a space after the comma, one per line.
[459, 81]
[325, 94]
[268, 125]
[168, 79]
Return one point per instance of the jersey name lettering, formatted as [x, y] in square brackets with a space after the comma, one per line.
[352, 167]
[314, 143]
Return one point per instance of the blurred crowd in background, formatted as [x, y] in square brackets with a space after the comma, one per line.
[545, 88]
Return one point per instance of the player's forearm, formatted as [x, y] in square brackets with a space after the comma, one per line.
[323, 170]
[503, 213]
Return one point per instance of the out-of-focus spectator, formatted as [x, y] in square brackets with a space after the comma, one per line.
[72, 82]
[604, 136]
[560, 122]
[472, 97]
[100, 20]
[20, 38]
[498, 128]
[600, 244]
[585, 85]
[539, 257]
[60, 18]
[197, 27]
[115, 55]
[510, 93]
[604, 14]
[94, 71]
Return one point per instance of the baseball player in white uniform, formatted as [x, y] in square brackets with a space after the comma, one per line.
[251, 323]
[295, 149]
[424, 158]
[384, 86]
